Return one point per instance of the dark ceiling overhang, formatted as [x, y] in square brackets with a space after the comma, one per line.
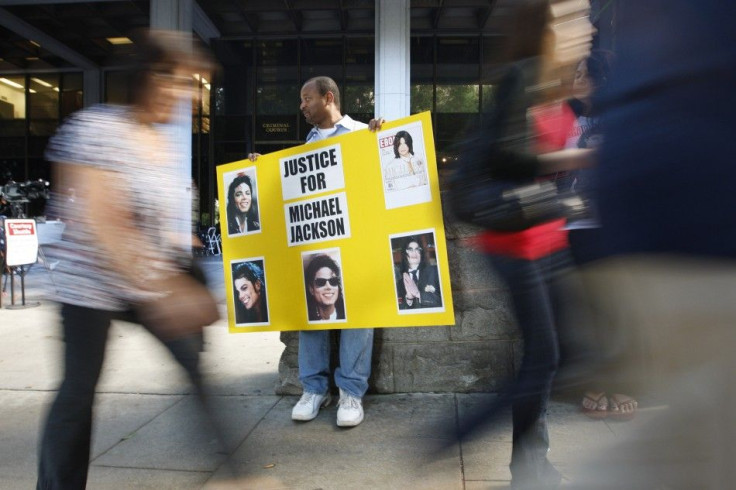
[69, 34]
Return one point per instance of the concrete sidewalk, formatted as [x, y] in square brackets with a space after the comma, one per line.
[146, 422]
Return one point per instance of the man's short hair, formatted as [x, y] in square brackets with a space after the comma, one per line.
[324, 85]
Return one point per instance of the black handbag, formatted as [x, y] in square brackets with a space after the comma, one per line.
[507, 206]
[477, 195]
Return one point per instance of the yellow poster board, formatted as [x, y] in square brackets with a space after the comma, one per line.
[327, 235]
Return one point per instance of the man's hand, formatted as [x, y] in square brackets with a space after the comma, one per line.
[375, 124]
[253, 156]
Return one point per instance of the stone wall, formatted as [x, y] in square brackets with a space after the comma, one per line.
[476, 354]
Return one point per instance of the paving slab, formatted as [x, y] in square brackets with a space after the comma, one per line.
[572, 435]
[29, 358]
[117, 417]
[392, 449]
[179, 438]
[242, 363]
[107, 478]
[20, 415]
[487, 485]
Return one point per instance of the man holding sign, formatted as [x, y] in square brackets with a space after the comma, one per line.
[320, 104]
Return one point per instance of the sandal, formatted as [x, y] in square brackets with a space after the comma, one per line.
[597, 405]
[623, 407]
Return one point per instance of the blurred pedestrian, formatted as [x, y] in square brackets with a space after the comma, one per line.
[119, 258]
[665, 196]
[532, 259]
[574, 123]
[320, 105]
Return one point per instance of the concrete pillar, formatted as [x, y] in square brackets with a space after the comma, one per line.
[392, 58]
[176, 15]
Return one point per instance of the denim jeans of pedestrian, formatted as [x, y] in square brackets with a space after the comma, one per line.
[356, 349]
[530, 284]
[65, 443]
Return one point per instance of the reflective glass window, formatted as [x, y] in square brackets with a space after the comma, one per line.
[201, 103]
[458, 98]
[12, 106]
[422, 97]
[488, 92]
[322, 57]
[358, 98]
[72, 93]
[277, 92]
[235, 90]
[422, 74]
[458, 59]
[492, 60]
[43, 97]
[117, 87]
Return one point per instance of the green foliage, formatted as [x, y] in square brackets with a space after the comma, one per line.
[458, 98]
[422, 98]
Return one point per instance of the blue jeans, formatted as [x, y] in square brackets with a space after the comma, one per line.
[530, 284]
[356, 348]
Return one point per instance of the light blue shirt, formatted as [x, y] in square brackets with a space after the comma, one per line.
[344, 125]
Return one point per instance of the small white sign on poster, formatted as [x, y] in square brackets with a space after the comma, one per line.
[21, 239]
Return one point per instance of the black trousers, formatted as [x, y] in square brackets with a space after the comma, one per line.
[531, 285]
[65, 444]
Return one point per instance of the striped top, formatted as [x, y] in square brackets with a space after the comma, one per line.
[144, 161]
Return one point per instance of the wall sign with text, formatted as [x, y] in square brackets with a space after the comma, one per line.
[345, 232]
[21, 242]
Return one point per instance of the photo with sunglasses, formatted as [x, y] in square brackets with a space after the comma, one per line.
[323, 284]
[416, 274]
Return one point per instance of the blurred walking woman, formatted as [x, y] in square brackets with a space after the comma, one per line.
[242, 214]
[324, 290]
[531, 259]
[117, 254]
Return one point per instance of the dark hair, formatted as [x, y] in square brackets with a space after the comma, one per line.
[405, 258]
[407, 140]
[252, 272]
[162, 52]
[232, 208]
[318, 262]
[599, 64]
[324, 85]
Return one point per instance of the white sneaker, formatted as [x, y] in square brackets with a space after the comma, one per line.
[308, 406]
[349, 410]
